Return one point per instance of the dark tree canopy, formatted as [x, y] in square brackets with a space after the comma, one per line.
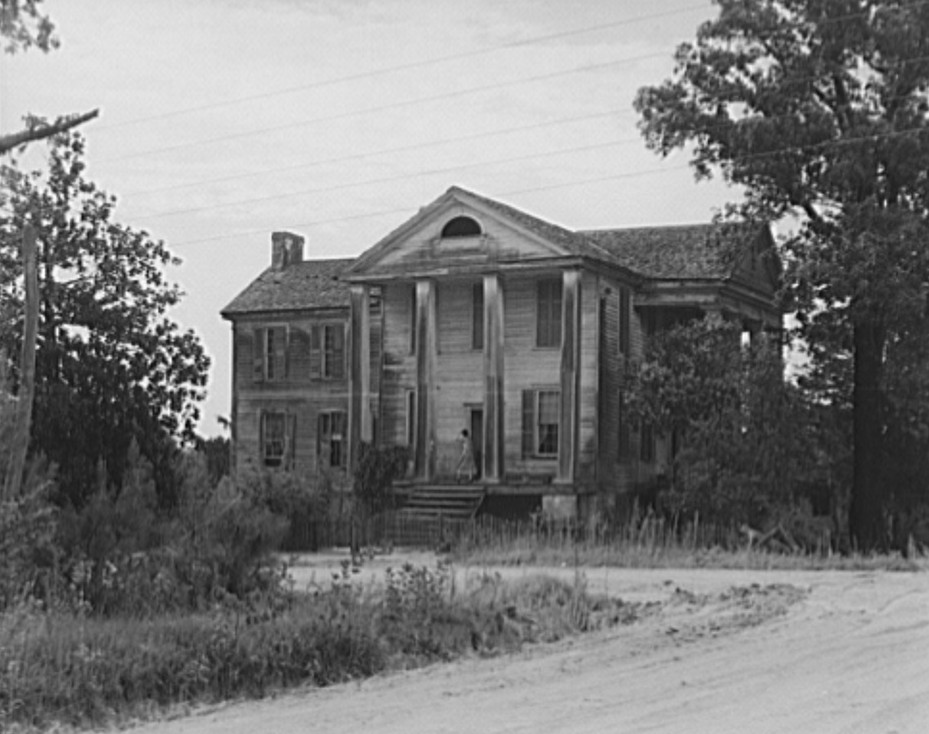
[111, 366]
[22, 25]
[818, 108]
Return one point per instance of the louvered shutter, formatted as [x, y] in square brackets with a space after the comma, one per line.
[280, 353]
[528, 422]
[290, 441]
[316, 355]
[338, 351]
[286, 360]
[258, 362]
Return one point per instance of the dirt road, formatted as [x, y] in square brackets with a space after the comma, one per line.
[851, 656]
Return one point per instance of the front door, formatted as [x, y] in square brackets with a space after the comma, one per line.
[477, 438]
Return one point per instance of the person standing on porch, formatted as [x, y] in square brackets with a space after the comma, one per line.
[466, 464]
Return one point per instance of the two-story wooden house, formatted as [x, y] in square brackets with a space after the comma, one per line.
[475, 315]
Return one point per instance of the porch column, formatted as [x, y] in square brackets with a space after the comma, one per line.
[425, 325]
[493, 468]
[570, 374]
[359, 371]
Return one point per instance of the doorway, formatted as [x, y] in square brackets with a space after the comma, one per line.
[476, 429]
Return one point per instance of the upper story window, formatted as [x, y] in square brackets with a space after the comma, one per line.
[327, 351]
[461, 227]
[270, 352]
[548, 313]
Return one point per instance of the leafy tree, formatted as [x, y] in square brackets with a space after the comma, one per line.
[378, 468]
[22, 24]
[747, 445]
[111, 366]
[818, 108]
[216, 452]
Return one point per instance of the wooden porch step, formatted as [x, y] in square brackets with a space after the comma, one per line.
[451, 502]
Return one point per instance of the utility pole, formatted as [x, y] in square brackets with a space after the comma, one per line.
[23, 417]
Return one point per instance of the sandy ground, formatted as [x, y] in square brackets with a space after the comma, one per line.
[850, 655]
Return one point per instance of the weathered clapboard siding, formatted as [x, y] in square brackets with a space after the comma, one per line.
[526, 367]
[589, 399]
[616, 472]
[296, 393]
[399, 363]
[459, 371]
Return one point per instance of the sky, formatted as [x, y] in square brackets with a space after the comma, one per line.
[224, 120]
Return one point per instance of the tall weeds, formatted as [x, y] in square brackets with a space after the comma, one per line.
[80, 670]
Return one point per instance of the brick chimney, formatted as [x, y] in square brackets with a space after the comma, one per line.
[286, 249]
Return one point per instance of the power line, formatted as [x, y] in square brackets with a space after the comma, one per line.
[386, 107]
[389, 179]
[450, 57]
[399, 210]
[411, 65]
[380, 152]
[817, 148]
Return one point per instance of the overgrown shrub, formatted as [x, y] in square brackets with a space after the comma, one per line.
[93, 671]
[377, 469]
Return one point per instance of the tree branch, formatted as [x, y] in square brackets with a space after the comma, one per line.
[8, 142]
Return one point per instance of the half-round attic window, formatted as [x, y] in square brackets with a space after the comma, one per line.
[461, 227]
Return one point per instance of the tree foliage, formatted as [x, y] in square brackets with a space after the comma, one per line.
[112, 367]
[818, 108]
[750, 446]
[22, 24]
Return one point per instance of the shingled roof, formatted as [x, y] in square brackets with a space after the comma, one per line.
[693, 251]
[688, 252]
[303, 285]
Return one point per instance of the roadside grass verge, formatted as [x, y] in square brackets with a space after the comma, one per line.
[58, 668]
[656, 545]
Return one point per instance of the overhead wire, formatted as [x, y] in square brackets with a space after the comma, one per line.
[608, 177]
[412, 65]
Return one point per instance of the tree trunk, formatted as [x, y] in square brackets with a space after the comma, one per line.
[14, 476]
[868, 501]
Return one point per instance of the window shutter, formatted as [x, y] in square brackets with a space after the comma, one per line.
[319, 441]
[261, 438]
[280, 352]
[316, 356]
[258, 361]
[290, 442]
[625, 320]
[286, 361]
[528, 422]
[338, 351]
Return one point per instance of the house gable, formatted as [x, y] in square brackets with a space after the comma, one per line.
[463, 231]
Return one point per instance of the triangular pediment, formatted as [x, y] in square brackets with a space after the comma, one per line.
[463, 229]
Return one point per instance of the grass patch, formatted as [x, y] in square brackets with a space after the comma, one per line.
[653, 545]
[61, 668]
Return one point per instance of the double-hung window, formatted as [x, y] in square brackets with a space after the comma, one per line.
[270, 352]
[276, 440]
[327, 351]
[330, 439]
[541, 423]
